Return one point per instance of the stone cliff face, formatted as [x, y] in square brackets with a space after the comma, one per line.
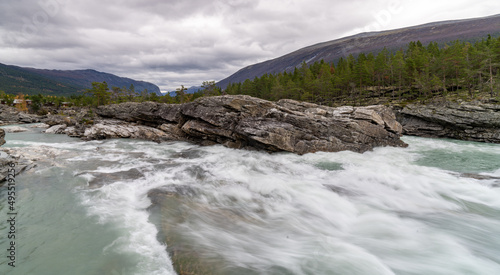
[464, 121]
[248, 123]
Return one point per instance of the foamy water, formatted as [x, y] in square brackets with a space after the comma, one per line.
[415, 210]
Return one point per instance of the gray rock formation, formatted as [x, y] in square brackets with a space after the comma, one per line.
[5, 159]
[5, 162]
[15, 129]
[10, 163]
[146, 113]
[10, 115]
[57, 129]
[472, 121]
[2, 137]
[252, 123]
[288, 125]
[119, 129]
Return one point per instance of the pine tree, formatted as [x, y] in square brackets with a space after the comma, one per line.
[398, 64]
[180, 94]
[100, 93]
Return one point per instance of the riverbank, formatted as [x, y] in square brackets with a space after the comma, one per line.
[243, 122]
[471, 121]
[286, 125]
[242, 212]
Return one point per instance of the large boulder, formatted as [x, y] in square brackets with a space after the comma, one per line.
[472, 121]
[118, 129]
[288, 125]
[15, 129]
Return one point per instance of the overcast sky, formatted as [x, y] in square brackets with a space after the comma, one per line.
[181, 42]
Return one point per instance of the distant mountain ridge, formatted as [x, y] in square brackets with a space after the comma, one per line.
[331, 51]
[14, 79]
[190, 90]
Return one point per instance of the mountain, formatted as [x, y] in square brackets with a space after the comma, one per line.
[84, 78]
[332, 51]
[190, 90]
[16, 80]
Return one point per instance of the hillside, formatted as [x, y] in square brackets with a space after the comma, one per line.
[84, 78]
[14, 80]
[331, 51]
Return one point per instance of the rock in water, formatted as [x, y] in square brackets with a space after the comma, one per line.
[118, 129]
[288, 125]
[15, 129]
[7, 158]
[2, 137]
[246, 122]
[465, 121]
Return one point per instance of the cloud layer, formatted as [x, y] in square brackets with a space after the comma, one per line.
[173, 43]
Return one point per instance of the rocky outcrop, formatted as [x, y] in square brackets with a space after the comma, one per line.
[10, 115]
[472, 121]
[5, 159]
[2, 137]
[15, 129]
[119, 129]
[146, 113]
[288, 125]
[251, 123]
[10, 163]
[22, 159]
[5, 162]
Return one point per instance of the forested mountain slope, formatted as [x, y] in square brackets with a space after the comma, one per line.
[84, 78]
[14, 80]
[332, 51]
[414, 72]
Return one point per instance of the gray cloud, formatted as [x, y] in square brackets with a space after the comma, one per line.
[176, 42]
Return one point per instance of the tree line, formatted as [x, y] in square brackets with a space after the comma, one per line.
[415, 72]
[101, 94]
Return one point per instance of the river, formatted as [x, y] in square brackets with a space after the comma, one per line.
[132, 207]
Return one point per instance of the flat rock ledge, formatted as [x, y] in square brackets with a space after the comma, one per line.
[471, 121]
[246, 122]
[7, 158]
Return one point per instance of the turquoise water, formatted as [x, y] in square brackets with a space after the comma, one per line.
[431, 208]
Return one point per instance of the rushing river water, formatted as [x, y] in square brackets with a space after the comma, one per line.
[120, 207]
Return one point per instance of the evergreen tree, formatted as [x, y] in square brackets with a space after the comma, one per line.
[100, 93]
[416, 72]
[181, 94]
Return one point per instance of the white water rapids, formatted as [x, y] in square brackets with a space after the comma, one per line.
[431, 208]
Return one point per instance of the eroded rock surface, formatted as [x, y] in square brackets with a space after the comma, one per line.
[118, 129]
[2, 137]
[288, 125]
[465, 121]
[10, 115]
[252, 123]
